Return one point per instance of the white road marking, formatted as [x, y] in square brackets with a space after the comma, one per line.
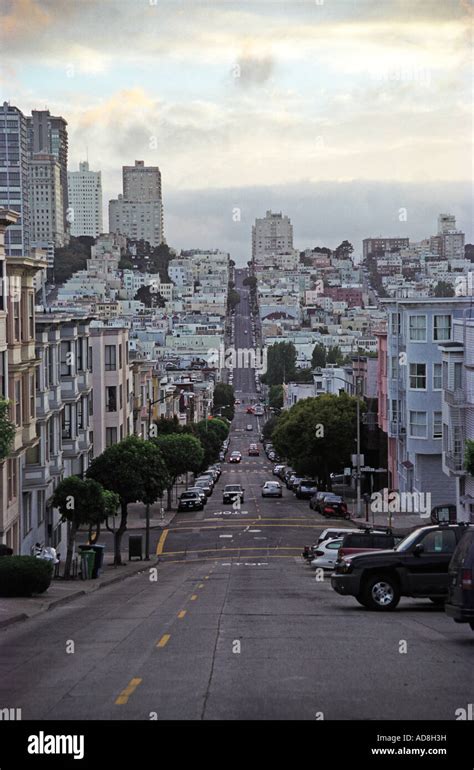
[231, 536]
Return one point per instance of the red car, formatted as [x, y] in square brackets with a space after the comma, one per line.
[254, 450]
[367, 540]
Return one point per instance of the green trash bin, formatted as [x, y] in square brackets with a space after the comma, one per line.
[87, 563]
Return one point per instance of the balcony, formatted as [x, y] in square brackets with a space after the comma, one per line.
[455, 397]
[454, 461]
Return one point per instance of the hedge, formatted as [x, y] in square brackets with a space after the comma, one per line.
[24, 575]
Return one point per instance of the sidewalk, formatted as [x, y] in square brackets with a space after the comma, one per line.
[60, 591]
[403, 522]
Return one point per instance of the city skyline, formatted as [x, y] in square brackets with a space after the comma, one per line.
[337, 114]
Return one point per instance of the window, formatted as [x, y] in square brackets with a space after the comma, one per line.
[457, 375]
[394, 411]
[12, 481]
[111, 398]
[80, 413]
[66, 359]
[16, 319]
[439, 541]
[417, 328]
[26, 500]
[52, 447]
[437, 376]
[110, 358]
[437, 424]
[418, 376]
[121, 396]
[418, 424]
[89, 358]
[120, 356]
[66, 421]
[79, 356]
[441, 328]
[457, 440]
[3, 374]
[31, 315]
[32, 395]
[18, 402]
[40, 504]
[110, 436]
[396, 324]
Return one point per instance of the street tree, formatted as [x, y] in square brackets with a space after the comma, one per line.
[80, 501]
[317, 435]
[7, 430]
[443, 289]
[134, 469]
[318, 357]
[281, 363]
[275, 396]
[224, 399]
[181, 453]
[211, 433]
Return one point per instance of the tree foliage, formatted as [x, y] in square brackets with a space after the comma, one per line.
[149, 297]
[344, 250]
[443, 289]
[71, 258]
[134, 469]
[211, 433]
[317, 435]
[181, 452]
[319, 356]
[275, 396]
[469, 456]
[281, 363]
[7, 430]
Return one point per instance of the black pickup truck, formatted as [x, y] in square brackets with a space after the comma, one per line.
[417, 567]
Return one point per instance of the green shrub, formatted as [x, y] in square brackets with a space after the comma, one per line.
[24, 575]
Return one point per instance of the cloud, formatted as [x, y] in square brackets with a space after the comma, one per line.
[252, 70]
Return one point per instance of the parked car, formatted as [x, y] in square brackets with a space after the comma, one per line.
[218, 468]
[254, 451]
[417, 567]
[460, 601]
[205, 485]
[330, 533]
[444, 513]
[271, 489]
[306, 489]
[209, 476]
[368, 540]
[235, 457]
[200, 492]
[190, 501]
[277, 469]
[232, 492]
[326, 554]
[331, 505]
[249, 426]
[221, 456]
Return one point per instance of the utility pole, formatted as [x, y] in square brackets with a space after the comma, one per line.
[358, 449]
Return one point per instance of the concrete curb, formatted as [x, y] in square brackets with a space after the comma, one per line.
[14, 619]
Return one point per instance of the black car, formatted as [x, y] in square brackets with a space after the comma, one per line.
[460, 602]
[190, 501]
[306, 489]
[417, 567]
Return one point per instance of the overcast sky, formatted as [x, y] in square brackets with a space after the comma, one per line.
[340, 113]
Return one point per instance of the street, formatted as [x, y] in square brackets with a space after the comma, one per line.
[235, 625]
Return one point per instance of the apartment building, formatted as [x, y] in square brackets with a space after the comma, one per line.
[14, 178]
[112, 405]
[47, 134]
[271, 234]
[380, 245]
[458, 411]
[18, 377]
[46, 201]
[138, 212]
[85, 201]
[416, 329]
[63, 392]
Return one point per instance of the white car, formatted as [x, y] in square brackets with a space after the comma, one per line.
[326, 554]
[271, 489]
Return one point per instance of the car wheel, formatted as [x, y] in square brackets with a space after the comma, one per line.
[381, 593]
[438, 600]
[471, 624]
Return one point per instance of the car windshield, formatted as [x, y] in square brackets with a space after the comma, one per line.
[308, 483]
[408, 541]
[188, 495]
[232, 488]
[202, 484]
[271, 484]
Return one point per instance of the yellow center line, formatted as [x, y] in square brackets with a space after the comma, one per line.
[237, 548]
[161, 542]
[182, 614]
[207, 577]
[125, 694]
[193, 597]
[213, 558]
[164, 640]
[201, 585]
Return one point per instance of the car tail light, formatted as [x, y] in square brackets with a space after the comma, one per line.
[467, 583]
[319, 553]
[328, 510]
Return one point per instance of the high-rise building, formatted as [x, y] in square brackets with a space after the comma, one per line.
[141, 183]
[85, 201]
[375, 245]
[46, 201]
[14, 178]
[446, 222]
[138, 213]
[272, 234]
[47, 134]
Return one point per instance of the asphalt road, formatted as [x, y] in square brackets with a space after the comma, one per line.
[235, 626]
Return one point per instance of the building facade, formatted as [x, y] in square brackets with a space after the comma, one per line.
[14, 178]
[47, 134]
[271, 234]
[85, 201]
[46, 202]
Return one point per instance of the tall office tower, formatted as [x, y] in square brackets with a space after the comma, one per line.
[141, 183]
[14, 178]
[272, 234]
[47, 134]
[138, 213]
[446, 222]
[46, 202]
[85, 201]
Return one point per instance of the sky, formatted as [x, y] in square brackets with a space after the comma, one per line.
[353, 117]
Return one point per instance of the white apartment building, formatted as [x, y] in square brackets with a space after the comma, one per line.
[46, 201]
[272, 234]
[137, 219]
[112, 407]
[85, 201]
